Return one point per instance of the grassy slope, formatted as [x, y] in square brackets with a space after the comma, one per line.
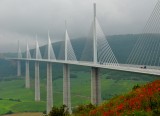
[80, 89]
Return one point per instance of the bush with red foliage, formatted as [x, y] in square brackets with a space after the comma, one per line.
[144, 99]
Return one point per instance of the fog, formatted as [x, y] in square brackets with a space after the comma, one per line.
[23, 19]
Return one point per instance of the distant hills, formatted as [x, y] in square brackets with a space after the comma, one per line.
[120, 44]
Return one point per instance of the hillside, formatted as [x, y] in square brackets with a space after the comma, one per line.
[141, 101]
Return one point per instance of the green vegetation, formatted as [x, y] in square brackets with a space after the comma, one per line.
[15, 98]
[59, 111]
[82, 109]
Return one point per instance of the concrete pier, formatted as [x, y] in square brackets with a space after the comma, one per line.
[49, 88]
[66, 87]
[27, 79]
[18, 68]
[95, 86]
[37, 82]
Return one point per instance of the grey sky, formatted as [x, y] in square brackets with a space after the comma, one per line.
[22, 19]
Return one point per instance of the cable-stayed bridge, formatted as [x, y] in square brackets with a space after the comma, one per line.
[144, 58]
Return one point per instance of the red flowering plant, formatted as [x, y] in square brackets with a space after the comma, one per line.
[141, 99]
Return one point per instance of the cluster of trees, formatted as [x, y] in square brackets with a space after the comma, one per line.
[63, 110]
[59, 111]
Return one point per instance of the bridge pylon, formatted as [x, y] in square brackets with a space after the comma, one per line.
[95, 86]
[94, 36]
[66, 76]
[49, 78]
[37, 82]
[18, 61]
[66, 87]
[49, 88]
[95, 78]
[37, 79]
[27, 79]
[18, 68]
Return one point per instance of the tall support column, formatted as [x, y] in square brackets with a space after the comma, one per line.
[49, 88]
[37, 82]
[27, 81]
[19, 62]
[95, 86]
[66, 87]
[18, 68]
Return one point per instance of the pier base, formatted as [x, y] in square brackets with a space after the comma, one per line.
[18, 68]
[49, 88]
[66, 87]
[27, 80]
[37, 82]
[95, 86]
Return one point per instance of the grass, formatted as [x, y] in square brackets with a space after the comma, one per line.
[28, 106]
[80, 92]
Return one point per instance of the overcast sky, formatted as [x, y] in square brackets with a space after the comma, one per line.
[23, 19]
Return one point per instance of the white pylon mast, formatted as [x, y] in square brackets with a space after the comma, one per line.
[19, 50]
[49, 47]
[94, 36]
[18, 62]
[27, 79]
[37, 47]
[66, 42]
[27, 51]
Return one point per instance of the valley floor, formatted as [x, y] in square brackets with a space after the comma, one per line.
[15, 98]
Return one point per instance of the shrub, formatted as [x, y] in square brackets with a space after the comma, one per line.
[156, 112]
[73, 76]
[16, 100]
[135, 87]
[61, 111]
[9, 112]
[84, 108]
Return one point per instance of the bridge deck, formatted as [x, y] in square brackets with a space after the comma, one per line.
[121, 67]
